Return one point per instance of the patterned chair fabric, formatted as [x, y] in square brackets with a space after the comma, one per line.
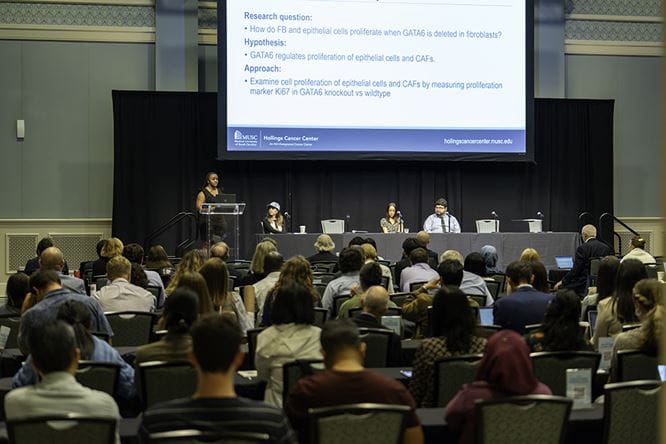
[630, 412]
[131, 328]
[551, 367]
[634, 365]
[163, 381]
[451, 374]
[62, 429]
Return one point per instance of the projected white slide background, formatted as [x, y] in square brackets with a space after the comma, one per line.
[393, 76]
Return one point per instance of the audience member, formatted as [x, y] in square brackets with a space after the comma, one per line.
[416, 310]
[505, 370]
[52, 259]
[560, 330]
[112, 248]
[49, 295]
[370, 275]
[475, 263]
[453, 327]
[351, 261]
[224, 300]
[472, 284]
[214, 407]
[221, 250]
[91, 348]
[408, 245]
[33, 264]
[539, 277]
[606, 279]
[297, 269]
[375, 304]
[18, 287]
[529, 255]
[138, 276]
[158, 261]
[370, 252]
[324, 246]
[490, 257]
[181, 309]
[423, 239]
[345, 381]
[192, 261]
[119, 294]
[523, 305]
[55, 357]
[257, 265]
[649, 305]
[638, 251]
[576, 278]
[273, 263]
[292, 336]
[193, 280]
[134, 254]
[86, 267]
[619, 309]
[419, 271]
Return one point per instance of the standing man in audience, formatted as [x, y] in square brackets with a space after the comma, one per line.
[50, 294]
[273, 262]
[420, 271]
[472, 284]
[638, 251]
[423, 238]
[55, 357]
[576, 278]
[52, 259]
[119, 294]
[351, 261]
[134, 253]
[523, 305]
[345, 381]
[215, 407]
[441, 221]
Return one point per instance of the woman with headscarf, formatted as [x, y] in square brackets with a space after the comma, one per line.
[505, 371]
[489, 254]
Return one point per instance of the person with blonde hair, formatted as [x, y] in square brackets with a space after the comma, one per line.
[192, 261]
[257, 265]
[324, 245]
[193, 280]
[529, 255]
[224, 300]
[112, 248]
[371, 256]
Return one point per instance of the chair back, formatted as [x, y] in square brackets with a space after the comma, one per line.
[415, 285]
[634, 365]
[333, 226]
[501, 278]
[321, 288]
[337, 303]
[526, 419]
[163, 381]
[62, 429]
[131, 328]
[154, 290]
[358, 424]
[486, 331]
[400, 299]
[320, 315]
[323, 267]
[478, 298]
[198, 436]
[551, 367]
[294, 370]
[530, 328]
[252, 344]
[102, 376]
[378, 342]
[390, 311]
[100, 281]
[322, 278]
[385, 283]
[450, 375]
[652, 271]
[493, 288]
[628, 327]
[630, 412]
[12, 322]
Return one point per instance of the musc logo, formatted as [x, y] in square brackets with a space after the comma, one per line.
[240, 136]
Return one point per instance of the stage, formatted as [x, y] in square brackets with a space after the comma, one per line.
[389, 246]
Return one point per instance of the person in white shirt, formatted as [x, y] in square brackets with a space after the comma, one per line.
[420, 271]
[273, 262]
[471, 283]
[638, 251]
[441, 221]
[134, 253]
[55, 357]
[119, 294]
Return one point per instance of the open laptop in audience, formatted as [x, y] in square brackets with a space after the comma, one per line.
[564, 262]
[486, 316]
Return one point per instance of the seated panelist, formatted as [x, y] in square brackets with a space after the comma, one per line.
[392, 223]
[441, 221]
[274, 221]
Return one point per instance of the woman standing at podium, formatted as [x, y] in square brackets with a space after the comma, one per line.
[210, 193]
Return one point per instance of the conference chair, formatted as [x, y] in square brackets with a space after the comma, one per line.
[390, 311]
[62, 429]
[321, 288]
[523, 419]
[634, 365]
[651, 270]
[131, 328]
[155, 291]
[486, 331]
[100, 281]
[191, 436]
[415, 285]
[337, 303]
[378, 342]
[385, 283]
[627, 327]
[551, 367]
[163, 381]
[252, 345]
[333, 226]
[358, 424]
[12, 322]
[400, 299]
[501, 278]
[323, 267]
[322, 278]
[102, 376]
[320, 315]
[493, 288]
[384, 262]
[479, 299]
[531, 328]
[451, 374]
[630, 412]
[294, 370]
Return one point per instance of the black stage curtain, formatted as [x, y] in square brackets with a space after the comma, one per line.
[165, 142]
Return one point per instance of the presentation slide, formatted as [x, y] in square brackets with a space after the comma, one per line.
[380, 76]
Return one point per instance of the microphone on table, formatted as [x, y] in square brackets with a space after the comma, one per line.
[494, 215]
[540, 215]
[348, 222]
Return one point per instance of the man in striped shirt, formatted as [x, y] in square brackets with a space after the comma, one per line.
[214, 407]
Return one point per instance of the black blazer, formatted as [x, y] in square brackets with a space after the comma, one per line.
[323, 256]
[523, 307]
[576, 278]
